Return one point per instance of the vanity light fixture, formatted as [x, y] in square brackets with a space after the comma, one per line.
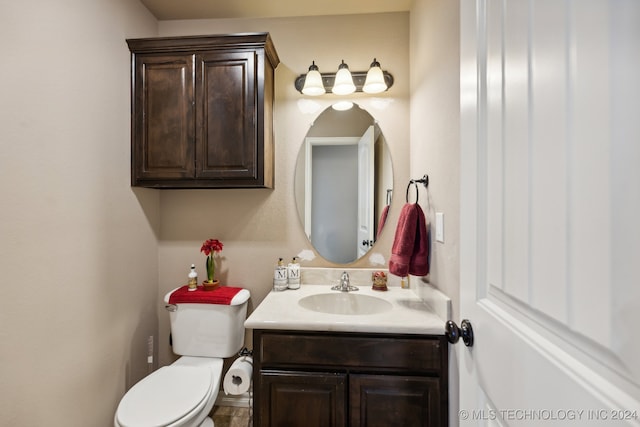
[342, 105]
[344, 82]
[313, 81]
[375, 79]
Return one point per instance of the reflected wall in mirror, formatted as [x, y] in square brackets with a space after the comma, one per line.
[343, 184]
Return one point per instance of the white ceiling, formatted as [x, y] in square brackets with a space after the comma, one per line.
[213, 9]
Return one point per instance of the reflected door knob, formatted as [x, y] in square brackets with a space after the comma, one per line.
[454, 333]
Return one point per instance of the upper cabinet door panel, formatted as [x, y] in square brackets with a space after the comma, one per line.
[226, 123]
[164, 107]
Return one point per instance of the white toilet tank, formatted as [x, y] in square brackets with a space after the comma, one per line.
[208, 330]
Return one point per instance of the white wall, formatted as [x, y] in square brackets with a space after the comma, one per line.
[259, 226]
[435, 146]
[435, 134]
[78, 250]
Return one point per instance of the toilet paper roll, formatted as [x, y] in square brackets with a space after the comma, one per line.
[238, 377]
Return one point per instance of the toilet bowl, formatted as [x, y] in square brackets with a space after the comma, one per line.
[178, 395]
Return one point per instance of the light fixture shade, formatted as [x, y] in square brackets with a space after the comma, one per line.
[343, 84]
[313, 85]
[342, 105]
[375, 79]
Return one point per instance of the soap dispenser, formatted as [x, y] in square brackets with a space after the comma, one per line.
[293, 274]
[280, 276]
[193, 278]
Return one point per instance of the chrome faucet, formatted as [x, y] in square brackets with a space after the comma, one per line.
[344, 285]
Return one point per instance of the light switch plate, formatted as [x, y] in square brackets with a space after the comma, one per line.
[440, 227]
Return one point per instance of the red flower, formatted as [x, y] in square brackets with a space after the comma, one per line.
[211, 245]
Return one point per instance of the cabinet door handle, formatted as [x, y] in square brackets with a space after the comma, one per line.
[454, 333]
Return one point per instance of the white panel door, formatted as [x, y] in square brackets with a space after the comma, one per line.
[550, 212]
[366, 158]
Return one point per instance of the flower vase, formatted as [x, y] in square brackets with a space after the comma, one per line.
[210, 286]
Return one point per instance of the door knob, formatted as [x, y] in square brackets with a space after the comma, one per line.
[454, 333]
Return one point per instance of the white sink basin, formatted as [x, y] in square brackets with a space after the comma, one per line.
[345, 303]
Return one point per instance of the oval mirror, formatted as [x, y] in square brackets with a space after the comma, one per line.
[343, 184]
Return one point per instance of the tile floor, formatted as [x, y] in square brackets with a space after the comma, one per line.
[230, 416]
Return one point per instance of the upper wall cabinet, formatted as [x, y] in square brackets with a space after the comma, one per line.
[202, 111]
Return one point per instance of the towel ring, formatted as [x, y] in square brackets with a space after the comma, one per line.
[408, 187]
[424, 180]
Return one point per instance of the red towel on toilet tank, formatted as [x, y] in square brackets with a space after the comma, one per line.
[220, 295]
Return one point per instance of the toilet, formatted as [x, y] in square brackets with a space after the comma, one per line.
[183, 393]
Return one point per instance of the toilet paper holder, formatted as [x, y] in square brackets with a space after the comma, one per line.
[238, 378]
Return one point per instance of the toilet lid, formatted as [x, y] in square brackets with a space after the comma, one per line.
[165, 396]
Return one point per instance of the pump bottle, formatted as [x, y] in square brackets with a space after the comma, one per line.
[193, 278]
[293, 274]
[280, 276]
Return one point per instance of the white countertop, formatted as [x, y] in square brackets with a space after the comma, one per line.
[409, 313]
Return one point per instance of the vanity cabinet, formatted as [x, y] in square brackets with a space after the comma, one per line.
[327, 379]
[202, 111]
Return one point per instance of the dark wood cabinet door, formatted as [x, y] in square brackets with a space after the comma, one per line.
[302, 399]
[163, 124]
[226, 117]
[394, 401]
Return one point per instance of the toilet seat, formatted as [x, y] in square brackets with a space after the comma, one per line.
[170, 396]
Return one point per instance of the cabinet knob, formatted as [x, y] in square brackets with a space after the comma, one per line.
[453, 332]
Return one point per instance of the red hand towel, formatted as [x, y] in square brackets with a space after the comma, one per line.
[404, 240]
[221, 295]
[383, 219]
[419, 263]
